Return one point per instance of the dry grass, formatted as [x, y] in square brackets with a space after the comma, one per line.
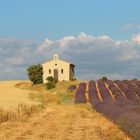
[14, 102]
[61, 120]
[23, 111]
[11, 97]
[58, 95]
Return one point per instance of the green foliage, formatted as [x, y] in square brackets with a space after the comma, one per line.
[50, 85]
[35, 73]
[50, 79]
[73, 79]
[51, 82]
[104, 78]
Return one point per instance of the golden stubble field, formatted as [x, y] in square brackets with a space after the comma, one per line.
[58, 119]
[11, 96]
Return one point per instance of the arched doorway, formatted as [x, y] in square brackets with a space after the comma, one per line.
[56, 74]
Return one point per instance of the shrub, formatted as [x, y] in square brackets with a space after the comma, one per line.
[51, 82]
[73, 79]
[35, 73]
[104, 78]
[50, 85]
[50, 79]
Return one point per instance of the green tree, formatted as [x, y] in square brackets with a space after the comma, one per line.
[35, 73]
[104, 78]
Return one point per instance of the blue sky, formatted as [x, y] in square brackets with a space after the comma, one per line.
[36, 19]
[101, 37]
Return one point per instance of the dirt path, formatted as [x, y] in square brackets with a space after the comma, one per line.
[57, 121]
[71, 123]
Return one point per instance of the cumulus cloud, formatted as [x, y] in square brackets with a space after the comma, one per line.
[46, 43]
[94, 56]
[129, 54]
[136, 39]
[15, 56]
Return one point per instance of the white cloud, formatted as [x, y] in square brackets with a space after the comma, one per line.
[46, 43]
[94, 56]
[128, 55]
[136, 38]
[131, 27]
[63, 42]
[128, 27]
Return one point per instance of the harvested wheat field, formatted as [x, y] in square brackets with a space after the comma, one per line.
[56, 118]
[11, 96]
[63, 123]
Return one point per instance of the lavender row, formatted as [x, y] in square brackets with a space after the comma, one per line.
[129, 91]
[115, 91]
[80, 94]
[104, 91]
[92, 93]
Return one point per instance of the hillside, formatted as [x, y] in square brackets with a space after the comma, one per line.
[10, 96]
[60, 119]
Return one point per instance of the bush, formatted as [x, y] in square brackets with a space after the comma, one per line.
[50, 85]
[50, 79]
[51, 82]
[73, 79]
[35, 73]
[104, 79]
